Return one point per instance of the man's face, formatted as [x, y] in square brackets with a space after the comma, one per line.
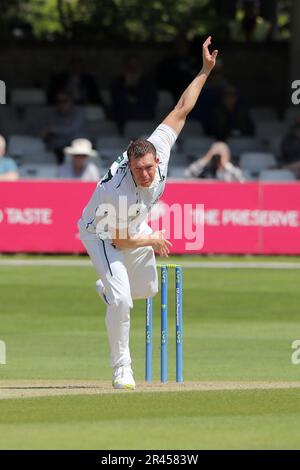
[64, 103]
[143, 169]
[79, 162]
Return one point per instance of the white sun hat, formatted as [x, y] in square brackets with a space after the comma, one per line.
[81, 147]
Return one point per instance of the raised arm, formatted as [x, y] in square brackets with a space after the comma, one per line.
[176, 118]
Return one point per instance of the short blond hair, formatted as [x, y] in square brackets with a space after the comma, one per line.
[140, 147]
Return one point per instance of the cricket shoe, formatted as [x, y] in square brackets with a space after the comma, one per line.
[123, 378]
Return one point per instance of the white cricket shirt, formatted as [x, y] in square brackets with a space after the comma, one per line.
[118, 190]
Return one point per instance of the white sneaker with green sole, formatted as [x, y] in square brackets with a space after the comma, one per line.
[123, 378]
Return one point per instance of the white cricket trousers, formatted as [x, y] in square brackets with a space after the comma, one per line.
[126, 275]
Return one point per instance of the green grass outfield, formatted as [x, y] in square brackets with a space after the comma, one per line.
[238, 326]
[203, 420]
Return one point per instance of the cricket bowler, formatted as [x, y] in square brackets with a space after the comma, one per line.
[114, 230]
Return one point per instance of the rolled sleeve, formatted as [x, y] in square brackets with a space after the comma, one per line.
[163, 139]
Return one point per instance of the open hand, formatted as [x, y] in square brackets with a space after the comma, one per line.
[209, 59]
[160, 244]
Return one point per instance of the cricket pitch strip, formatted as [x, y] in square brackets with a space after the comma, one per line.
[10, 389]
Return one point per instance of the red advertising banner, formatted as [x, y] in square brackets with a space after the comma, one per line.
[205, 217]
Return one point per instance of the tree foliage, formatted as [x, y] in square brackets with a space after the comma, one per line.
[115, 20]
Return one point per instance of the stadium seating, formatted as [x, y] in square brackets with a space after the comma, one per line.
[37, 118]
[28, 149]
[176, 172]
[12, 121]
[35, 171]
[25, 96]
[24, 144]
[22, 121]
[100, 128]
[277, 175]
[164, 105]
[255, 162]
[112, 142]
[197, 145]
[248, 176]
[136, 129]
[179, 159]
[274, 145]
[268, 129]
[94, 113]
[239, 145]
[263, 114]
[192, 129]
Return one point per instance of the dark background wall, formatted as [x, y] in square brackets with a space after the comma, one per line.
[256, 69]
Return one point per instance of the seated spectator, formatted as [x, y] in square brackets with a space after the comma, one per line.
[230, 118]
[78, 164]
[252, 27]
[133, 95]
[66, 124]
[216, 164]
[290, 149]
[8, 168]
[79, 84]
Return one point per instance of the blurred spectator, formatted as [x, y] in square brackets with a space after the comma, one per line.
[210, 96]
[252, 27]
[133, 95]
[216, 164]
[8, 168]
[79, 84]
[78, 164]
[231, 117]
[290, 149]
[66, 124]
